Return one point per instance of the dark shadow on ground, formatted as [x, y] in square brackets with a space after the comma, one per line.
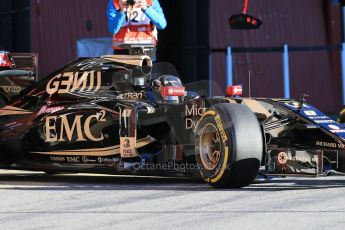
[41, 181]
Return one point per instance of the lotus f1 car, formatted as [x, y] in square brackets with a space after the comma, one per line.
[125, 115]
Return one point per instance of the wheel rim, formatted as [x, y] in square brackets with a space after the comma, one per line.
[210, 146]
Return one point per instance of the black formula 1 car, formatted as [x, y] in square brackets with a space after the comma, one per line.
[125, 115]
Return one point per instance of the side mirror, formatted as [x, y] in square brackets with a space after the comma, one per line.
[244, 22]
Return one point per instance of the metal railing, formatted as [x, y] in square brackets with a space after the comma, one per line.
[285, 50]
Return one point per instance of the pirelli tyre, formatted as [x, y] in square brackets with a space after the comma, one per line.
[229, 146]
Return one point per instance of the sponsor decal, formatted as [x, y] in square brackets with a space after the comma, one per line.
[302, 158]
[297, 162]
[282, 157]
[73, 159]
[11, 89]
[86, 160]
[130, 96]
[57, 159]
[173, 91]
[78, 130]
[128, 147]
[104, 160]
[318, 117]
[310, 113]
[78, 159]
[221, 129]
[48, 110]
[126, 143]
[70, 82]
[107, 151]
[235, 90]
[336, 129]
[295, 104]
[193, 110]
[323, 121]
[330, 144]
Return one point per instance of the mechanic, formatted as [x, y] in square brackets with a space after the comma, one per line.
[134, 22]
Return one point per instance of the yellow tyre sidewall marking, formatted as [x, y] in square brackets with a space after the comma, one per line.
[342, 111]
[224, 166]
[226, 155]
[341, 114]
[212, 113]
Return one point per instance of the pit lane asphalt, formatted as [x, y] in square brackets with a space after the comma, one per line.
[33, 200]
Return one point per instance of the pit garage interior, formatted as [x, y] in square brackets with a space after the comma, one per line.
[201, 34]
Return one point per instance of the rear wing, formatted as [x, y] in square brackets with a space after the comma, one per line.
[13, 81]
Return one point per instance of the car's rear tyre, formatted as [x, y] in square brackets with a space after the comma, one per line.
[229, 146]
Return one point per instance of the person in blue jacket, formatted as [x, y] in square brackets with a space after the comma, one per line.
[134, 22]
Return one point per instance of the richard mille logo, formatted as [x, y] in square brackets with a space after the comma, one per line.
[329, 144]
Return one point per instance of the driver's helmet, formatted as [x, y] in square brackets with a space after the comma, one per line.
[6, 61]
[165, 80]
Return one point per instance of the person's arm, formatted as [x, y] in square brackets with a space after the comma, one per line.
[115, 18]
[156, 15]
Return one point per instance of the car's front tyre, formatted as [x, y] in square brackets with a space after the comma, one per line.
[229, 146]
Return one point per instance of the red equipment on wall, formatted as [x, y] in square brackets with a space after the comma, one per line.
[243, 21]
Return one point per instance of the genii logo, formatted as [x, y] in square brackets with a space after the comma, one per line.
[71, 82]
